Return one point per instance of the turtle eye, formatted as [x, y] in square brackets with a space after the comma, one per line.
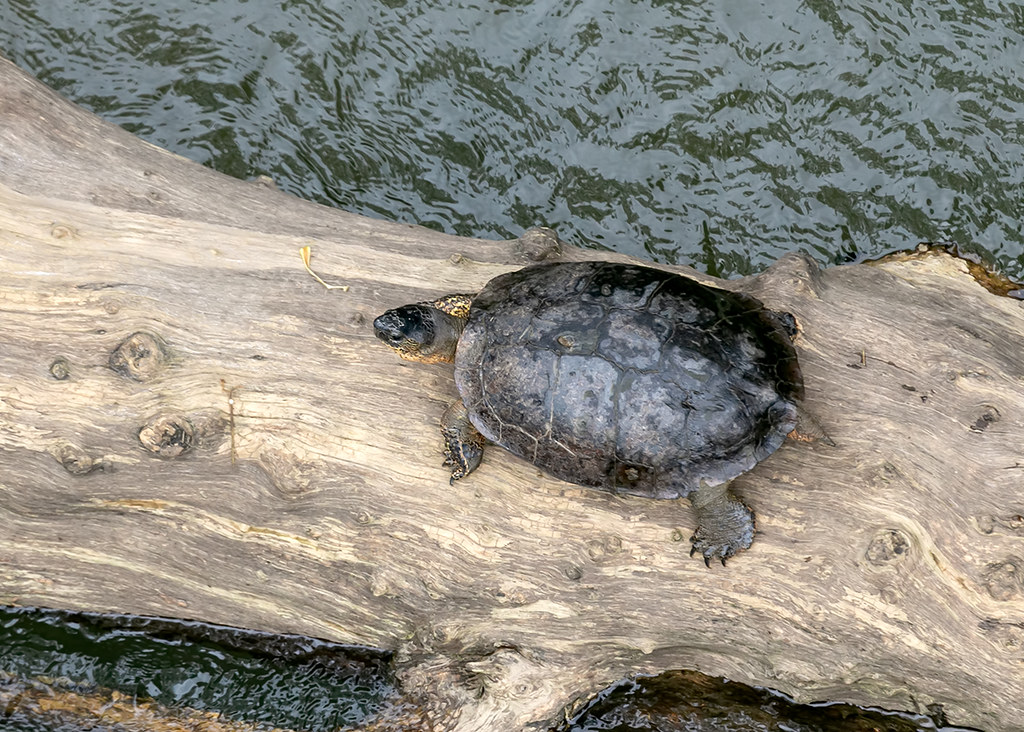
[408, 328]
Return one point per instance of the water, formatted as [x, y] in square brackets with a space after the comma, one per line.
[719, 134]
[286, 681]
[687, 701]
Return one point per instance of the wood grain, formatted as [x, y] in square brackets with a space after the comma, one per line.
[887, 570]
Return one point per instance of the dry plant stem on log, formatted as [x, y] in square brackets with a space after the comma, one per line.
[887, 569]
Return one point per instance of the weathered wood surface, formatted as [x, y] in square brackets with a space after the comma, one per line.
[887, 570]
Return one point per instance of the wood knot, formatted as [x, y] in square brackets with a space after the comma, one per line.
[982, 418]
[503, 673]
[511, 594]
[1009, 636]
[603, 549]
[539, 243]
[290, 478]
[887, 546]
[63, 231]
[168, 435]
[60, 369]
[379, 587]
[75, 460]
[140, 356]
[1004, 580]
[1008, 524]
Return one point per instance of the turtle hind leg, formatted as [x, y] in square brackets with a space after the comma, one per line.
[724, 523]
[809, 429]
[463, 445]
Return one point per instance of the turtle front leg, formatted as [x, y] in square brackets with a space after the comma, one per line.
[724, 523]
[463, 445]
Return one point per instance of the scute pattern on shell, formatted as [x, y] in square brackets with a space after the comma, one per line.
[627, 378]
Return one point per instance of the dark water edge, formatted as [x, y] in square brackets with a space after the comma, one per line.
[95, 671]
[286, 681]
[715, 134]
[687, 701]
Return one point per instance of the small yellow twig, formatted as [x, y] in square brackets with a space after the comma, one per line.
[305, 252]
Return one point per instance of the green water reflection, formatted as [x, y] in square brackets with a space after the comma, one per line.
[286, 681]
[721, 134]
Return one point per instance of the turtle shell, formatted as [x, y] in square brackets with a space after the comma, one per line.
[627, 378]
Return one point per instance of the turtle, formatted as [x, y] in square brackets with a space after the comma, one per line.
[616, 376]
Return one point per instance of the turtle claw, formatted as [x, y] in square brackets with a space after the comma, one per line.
[724, 524]
[463, 463]
[710, 549]
[463, 445]
[459, 470]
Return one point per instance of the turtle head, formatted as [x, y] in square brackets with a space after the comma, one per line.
[420, 332]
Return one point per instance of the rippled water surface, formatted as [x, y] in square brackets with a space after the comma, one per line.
[715, 133]
[290, 681]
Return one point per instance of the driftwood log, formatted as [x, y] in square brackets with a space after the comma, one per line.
[191, 426]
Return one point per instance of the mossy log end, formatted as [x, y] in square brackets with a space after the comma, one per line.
[138, 291]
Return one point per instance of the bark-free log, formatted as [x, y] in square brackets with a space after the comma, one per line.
[139, 291]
